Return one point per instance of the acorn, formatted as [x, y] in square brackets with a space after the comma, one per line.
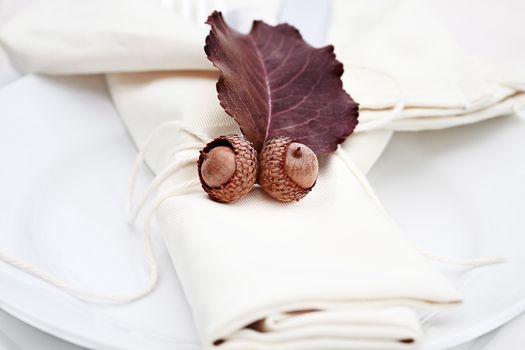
[227, 168]
[287, 169]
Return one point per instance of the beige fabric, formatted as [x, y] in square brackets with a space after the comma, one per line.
[336, 252]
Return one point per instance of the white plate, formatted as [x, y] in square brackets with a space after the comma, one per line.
[66, 163]
[460, 192]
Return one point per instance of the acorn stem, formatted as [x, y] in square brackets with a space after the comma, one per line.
[297, 153]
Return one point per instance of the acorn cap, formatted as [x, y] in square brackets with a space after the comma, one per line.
[244, 169]
[281, 180]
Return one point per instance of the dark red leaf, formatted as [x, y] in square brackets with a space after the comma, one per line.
[274, 84]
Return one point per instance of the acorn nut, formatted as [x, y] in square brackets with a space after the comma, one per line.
[227, 168]
[287, 169]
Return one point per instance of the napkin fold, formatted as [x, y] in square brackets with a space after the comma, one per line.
[332, 271]
[441, 85]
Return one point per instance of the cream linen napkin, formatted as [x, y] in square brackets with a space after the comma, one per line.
[442, 86]
[330, 272]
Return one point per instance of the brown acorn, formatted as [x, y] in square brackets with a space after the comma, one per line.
[287, 169]
[228, 168]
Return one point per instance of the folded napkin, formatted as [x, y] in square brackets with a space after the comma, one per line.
[441, 85]
[332, 271]
[395, 53]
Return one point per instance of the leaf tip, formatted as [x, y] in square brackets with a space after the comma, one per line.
[215, 16]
